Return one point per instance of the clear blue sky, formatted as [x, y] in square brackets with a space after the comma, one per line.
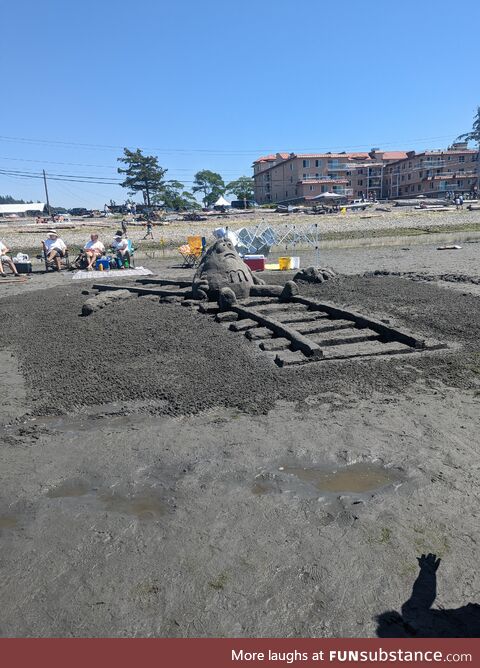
[215, 84]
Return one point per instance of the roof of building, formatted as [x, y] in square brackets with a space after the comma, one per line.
[22, 208]
[357, 156]
[393, 155]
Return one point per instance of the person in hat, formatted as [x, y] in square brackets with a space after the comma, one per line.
[54, 248]
[120, 247]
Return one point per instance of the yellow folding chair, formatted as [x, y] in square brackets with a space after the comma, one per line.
[191, 251]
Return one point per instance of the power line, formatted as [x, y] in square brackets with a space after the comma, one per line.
[219, 152]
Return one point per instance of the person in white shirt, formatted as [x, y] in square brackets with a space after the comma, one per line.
[93, 249]
[54, 248]
[120, 247]
[5, 259]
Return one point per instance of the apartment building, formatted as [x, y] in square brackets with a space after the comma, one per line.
[292, 177]
[433, 173]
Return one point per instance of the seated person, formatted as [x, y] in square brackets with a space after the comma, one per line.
[5, 259]
[54, 248]
[120, 247]
[93, 249]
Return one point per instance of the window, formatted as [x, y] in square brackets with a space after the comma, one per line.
[419, 187]
[286, 193]
[360, 171]
[420, 174]
[291, 179]
[318, 163]
[311, 188]
[291, 167]
[409, 177]
[461, 158]
[304, 176]
[360, 182]
[306, 163]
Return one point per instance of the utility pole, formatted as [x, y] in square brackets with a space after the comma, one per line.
[46, 192]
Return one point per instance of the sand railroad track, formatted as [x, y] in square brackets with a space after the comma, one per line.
[294, 332]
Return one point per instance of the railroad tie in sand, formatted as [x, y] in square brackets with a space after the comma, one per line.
[103, 299]
[116, 273]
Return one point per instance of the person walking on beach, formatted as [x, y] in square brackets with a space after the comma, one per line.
[124, 227]
[149, 232]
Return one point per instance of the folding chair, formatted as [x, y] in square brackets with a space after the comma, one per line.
[192, 251]
[50, 264]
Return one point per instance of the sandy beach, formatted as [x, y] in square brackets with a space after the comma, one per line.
[162, 477]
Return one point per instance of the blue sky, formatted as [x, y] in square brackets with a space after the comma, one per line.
[216, 84]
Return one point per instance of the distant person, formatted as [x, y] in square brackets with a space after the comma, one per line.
[134, 209]
[457, 202]
[120, 247]
[124, 226]
[129, 208]
[54, 249]
[149, 232]
[93, 249]
[6, 259]
[461, 201]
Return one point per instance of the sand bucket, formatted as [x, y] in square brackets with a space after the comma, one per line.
[284, 263]
[295, 263]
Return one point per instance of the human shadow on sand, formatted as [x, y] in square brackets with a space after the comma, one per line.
[419, 620]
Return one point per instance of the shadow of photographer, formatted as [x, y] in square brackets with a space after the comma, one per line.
[419, 620]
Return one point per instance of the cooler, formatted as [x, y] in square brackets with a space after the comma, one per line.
[255, 262]
[23, 267]
[102, 264]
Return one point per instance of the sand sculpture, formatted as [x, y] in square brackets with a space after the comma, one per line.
[223, 276]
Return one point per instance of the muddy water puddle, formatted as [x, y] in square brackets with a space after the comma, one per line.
[356, 478]
[70, 488]
[144, 505]
[360, 479]
[8, 522]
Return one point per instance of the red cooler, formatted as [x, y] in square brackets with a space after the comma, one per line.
[255, 262]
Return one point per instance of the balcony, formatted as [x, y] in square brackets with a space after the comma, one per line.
[321, 177]
[339, 166]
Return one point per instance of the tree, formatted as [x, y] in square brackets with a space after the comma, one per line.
[242, 188]
[175, 197]
[210, 184]
[142, 174]
[8, 199]
[474, 135]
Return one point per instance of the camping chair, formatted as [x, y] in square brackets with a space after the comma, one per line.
[50, 264]
[192, 251]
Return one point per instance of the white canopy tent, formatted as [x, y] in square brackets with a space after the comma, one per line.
[221, 201]
[328, 195]
[21, 208]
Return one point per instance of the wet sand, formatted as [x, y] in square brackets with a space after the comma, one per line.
[182, 485]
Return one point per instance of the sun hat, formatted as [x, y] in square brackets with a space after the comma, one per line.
[52, 232]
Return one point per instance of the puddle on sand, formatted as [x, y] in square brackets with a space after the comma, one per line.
[142, 506]
[69, 488]
[8, 522]
[356, 478]
[145, 505]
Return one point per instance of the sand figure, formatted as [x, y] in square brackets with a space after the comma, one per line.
[419, 619]
[222, 275]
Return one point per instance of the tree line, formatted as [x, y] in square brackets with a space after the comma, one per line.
[143, 174]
